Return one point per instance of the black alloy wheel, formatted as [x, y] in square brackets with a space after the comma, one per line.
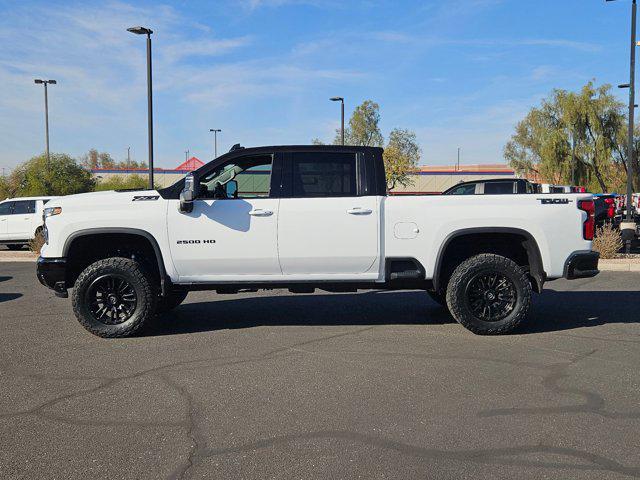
[491, 296]
[115, 297]
[111, 299]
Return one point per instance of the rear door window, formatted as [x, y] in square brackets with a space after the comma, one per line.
[324, 174]
[498, 188]
[24, 206]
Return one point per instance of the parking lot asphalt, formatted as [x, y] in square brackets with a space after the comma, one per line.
[316, 386]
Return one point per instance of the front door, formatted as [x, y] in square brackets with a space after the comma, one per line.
[232, 231]
[5, 213]
[326, 228]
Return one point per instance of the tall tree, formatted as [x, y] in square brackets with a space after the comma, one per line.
[363, 129]
[570, 135]
[91, 159]
[94, 159]
[401, 157]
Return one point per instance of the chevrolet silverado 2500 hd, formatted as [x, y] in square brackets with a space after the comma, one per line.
[305, 218]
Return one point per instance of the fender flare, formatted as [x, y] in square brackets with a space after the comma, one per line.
[536, 267]
[132, 231]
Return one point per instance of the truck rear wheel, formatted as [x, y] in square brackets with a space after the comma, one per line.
[114, 297]
[489, 294]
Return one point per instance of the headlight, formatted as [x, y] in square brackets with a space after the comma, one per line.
[51, 211]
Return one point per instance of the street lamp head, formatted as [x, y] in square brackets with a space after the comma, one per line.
[623, 85]
[140, 30]
[52, 82]
[215, 130]
[337, 99]
[38, 81]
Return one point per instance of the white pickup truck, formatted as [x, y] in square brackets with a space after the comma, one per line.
[306, 218]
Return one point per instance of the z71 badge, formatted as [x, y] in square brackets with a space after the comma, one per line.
[144, 198]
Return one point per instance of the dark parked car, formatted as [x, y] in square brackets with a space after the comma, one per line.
[605, 208]
[499, 186]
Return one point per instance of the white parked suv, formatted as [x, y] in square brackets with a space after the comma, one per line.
[20, 220]
[305, 218]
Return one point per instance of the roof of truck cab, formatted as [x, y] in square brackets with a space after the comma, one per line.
[242, 151]
[303, 148]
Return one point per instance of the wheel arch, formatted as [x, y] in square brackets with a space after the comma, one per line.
[103, 231]
[528, 243]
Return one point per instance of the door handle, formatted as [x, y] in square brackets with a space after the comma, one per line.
[359, 211]
[260, 213]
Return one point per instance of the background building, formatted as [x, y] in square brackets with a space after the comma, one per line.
[428, 179]
[161, 176]
[436, 179]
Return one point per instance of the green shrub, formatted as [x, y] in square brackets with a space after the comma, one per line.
[122, 182]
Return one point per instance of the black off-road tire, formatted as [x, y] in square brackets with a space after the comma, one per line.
[139, 279]
[439, 297]
[15, 246]
[171, 301]
[458, 293]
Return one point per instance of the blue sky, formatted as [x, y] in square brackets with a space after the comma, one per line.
[457, 72]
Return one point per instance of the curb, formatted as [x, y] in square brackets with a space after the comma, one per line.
[620, 265]
[26, 257]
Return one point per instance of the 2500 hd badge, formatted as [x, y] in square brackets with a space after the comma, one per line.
[185, 242]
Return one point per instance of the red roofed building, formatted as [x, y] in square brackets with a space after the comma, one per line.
[162, 177]
[190, 165]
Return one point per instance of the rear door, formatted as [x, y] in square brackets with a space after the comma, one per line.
[21, 220]
[325, 227]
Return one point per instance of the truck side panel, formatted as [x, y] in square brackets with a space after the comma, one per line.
[419, 226]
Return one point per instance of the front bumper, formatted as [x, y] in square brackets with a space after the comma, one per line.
[581, 265]
[52, 273]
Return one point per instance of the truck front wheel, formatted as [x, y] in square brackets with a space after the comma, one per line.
[489, 294]
[114, 297]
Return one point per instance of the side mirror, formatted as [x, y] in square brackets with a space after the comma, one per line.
[188, 194]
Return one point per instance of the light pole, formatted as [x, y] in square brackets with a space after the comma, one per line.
[628, 226]
[215, 141]
[186, 155]
[148, 32]
[46, 112]
[341, 100]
